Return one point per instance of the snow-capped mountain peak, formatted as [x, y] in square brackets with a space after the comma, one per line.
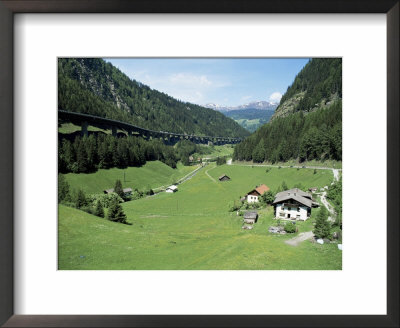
[262, 105]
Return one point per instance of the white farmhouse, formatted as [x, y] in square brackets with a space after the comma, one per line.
[171, 189]
[293, 204]
[252, 196]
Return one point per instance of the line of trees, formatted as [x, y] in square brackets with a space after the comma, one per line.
[93, 204]
[87, 154]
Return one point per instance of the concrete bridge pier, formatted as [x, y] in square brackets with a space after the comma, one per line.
[84, 129]
[114, 131]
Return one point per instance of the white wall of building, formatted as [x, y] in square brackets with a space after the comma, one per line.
[294, 213]
[252, 199]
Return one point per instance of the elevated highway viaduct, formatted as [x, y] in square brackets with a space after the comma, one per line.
[86, 120]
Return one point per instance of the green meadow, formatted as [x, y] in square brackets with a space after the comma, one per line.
[192, 228]
[151, 175]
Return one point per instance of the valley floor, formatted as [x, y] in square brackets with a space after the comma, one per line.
[193, 230]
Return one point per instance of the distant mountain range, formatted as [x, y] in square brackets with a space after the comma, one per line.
[250, 116]
[262, 105]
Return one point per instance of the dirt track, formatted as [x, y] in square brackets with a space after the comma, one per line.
[301, 237]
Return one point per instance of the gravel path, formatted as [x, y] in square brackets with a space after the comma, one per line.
[210, 175]
[301, 237]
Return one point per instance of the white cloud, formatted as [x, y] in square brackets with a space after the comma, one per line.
[187, 79]
[275, 97]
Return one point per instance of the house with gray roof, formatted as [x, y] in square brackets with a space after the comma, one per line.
[293, 204]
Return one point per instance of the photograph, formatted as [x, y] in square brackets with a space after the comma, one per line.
[199, 163]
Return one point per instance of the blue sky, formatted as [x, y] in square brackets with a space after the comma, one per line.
[226, 81]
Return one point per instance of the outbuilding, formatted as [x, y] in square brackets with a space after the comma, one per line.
[127, 191]
[250, 217]
[224, 178]
[171, 189]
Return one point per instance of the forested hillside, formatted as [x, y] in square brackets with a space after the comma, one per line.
[316, 86]
[310, 128]
[251, 119]
[92, 86]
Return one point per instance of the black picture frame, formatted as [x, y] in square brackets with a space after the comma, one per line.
[10, 7]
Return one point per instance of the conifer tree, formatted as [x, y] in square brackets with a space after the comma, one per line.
[322, 226]
[99, 211]
[63, 189]
[118, 189]
[81, 200]
[116, 213]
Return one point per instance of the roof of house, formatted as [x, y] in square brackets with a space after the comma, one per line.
[222, 176]
[260, 189]
[296, 194]
[173, 187]
[250, 215]
[112, 190]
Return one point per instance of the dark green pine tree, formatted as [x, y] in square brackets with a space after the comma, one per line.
[99, 211]
[63, 189]
[81, 200]
[81, 156]
[118, 189]
[115, 212]
[322, 226]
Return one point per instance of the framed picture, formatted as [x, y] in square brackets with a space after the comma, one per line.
[48, 278]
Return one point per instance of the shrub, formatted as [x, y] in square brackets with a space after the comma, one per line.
[87, 209]
[267, 170]
[149, 192]
[234, 206]
[290, 227]
[268, 197]
[104, 199]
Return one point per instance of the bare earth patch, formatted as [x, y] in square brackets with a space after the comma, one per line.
[301, 237]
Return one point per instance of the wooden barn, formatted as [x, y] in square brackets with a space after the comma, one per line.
[127, 191]
[250, 217]
[224, 178]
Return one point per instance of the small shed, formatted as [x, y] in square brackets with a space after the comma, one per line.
[224, 177]
[250, 217]
[171, 189]
[127, 191]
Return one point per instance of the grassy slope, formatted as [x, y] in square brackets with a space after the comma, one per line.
[151, 175]
[191, 229]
